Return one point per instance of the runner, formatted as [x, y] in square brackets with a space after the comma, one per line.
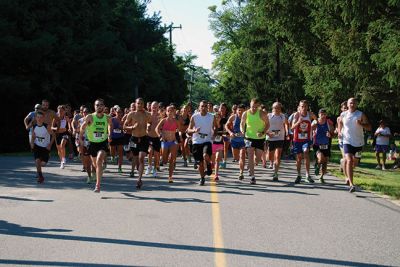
[351, 128]
[301, 127]
[167, 128]
[154, 141]
[343, 107]
[382, 144]
[117, 139]
[201, 126]
[83, 149]
[254, 125]
[185, 117]
[237, 139]
[128, 133]
[41, 141]
[98, 126]
[139, 140]
[223, 112]
[61, 124]
[277, 132]
[323, 131]
[218, 143]
[30, 120]
[49, 114]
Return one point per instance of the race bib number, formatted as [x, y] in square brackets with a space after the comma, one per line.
[247, 143]
[303, 136]
[132, 144]
[98, 135]
[275, 132]
[39, 139]
[323, 147]
[126, 148]
[117, 131]
[218, 138]
[202, 135]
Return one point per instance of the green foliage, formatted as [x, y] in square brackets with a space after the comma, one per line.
[328, 51]
[75, 51]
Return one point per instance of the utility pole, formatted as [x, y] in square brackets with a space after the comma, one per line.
[191, 83]
[170, 28]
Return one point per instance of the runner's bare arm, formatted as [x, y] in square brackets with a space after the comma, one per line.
[296, 120]
[159, 127]
[243, 122]
[33, 137]
[229, 125]
[87, 121]
[55, 125]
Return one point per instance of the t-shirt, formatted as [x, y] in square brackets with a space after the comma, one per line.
[383, 140]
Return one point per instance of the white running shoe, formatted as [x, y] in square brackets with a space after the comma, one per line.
[154, 172]
[62, 165]
[147, 172]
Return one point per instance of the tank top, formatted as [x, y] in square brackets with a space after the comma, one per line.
[254, 125]
[205, 123]
[117, 129]
[320, 137]
[352, 132]
[42, 136]
[170, 125]
[63, 123]
[277, 127]
[302, 132]
[236, 129]
[97, 131]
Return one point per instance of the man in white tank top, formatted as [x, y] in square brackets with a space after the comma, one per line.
[41, 141]
[277, 132]
[351, 130]
[201, 126]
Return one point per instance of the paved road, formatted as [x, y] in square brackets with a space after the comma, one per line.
[63, 223]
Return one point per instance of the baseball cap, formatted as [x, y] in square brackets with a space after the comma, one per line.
[38, 106]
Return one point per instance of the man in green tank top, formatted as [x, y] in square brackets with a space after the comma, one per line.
[98, 128]
[254, 125]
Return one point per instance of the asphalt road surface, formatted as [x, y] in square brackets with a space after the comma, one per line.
[232, 223]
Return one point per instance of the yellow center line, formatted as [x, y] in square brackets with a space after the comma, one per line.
[219, 260]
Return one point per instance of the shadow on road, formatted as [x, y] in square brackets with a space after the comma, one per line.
[7, 228]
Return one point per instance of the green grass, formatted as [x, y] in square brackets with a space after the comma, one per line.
[366, 176]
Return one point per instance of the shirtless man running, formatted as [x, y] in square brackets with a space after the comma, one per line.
[137, 122]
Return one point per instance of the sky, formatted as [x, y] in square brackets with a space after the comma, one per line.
[195, 35]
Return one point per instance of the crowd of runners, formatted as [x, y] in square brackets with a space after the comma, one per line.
[152, 135]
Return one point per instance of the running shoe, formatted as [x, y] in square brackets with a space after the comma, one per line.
[83, 169]
[62, 165]
[234, 160]
[216, 178]
[132, 174]
[352, 189]
[139, 184]
[253, 180]
[97, 189]
[321, 179]
[209, 169]
[316, 169]
[40, 179]
[383, 167]
[241, 176]
[298, 179]
[170, 180]
[185, 163]
[147, 172]
[195, 166]
[154, 172]
[309, 179]
[378, 167]
[275, 177]
[270, 166]
[119, 169]
[202, 180]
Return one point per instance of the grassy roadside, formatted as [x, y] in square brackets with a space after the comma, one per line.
[366, 176]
